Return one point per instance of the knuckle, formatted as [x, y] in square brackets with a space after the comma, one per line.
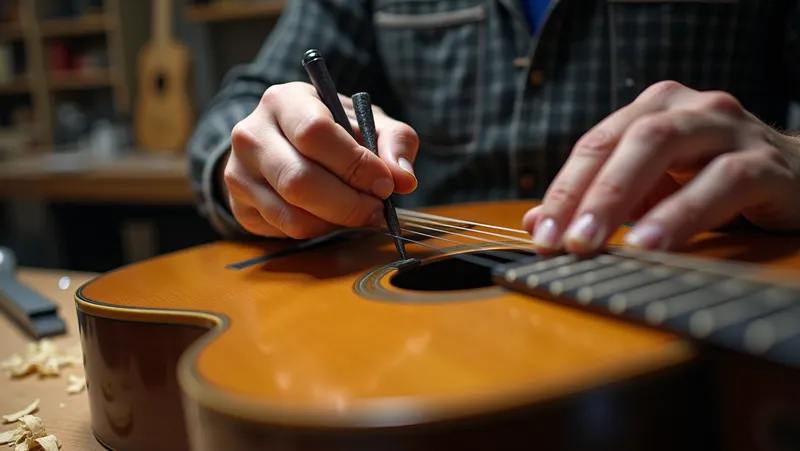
[242, 136]
[312, 127]
[356, 216]
[736, 169]
[608, 189]
[356, 170]
[291, 181]
[247, 217]
[773, 154]
[564, 198]
[233, 180]
[689, 209]
[360, 211]
[654, 128]
[406, 135]
[289, 225]
[273, 95]
[661, 90]
[596, 142]
[723, 102]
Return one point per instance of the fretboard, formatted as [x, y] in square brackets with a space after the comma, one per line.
[713, 303]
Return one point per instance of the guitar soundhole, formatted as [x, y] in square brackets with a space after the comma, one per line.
[450, 274]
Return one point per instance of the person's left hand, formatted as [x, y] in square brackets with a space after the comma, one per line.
[679, 162]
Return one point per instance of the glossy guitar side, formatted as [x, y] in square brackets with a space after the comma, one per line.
[251, 346]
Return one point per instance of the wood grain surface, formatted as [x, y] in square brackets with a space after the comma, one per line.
[64, 415]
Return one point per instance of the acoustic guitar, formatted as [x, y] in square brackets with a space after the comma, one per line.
[164, 115]
[327, 344]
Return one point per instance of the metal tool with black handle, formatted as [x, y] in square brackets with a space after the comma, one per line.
[34, 313]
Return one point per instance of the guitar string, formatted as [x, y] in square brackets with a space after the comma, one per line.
[469, 236]
[415, 214]
[480, 261]
[656, 257]
[513, 238]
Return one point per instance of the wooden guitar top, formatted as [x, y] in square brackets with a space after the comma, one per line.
[323, 337]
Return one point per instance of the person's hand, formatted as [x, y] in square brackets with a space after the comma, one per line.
[677, 161]
[293, 172]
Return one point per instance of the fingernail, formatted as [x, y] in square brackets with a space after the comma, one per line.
[546, 234]
[405, 165]
[585, 231]
[383, 188]
[648, 236]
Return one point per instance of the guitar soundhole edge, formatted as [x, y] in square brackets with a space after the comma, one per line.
[450, 274]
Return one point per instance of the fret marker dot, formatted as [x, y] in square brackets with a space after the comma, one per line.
[694, 278]
[585, 295]
[533, 281]
[661, 271]
[618, 303]
[511, 275]
[759, 337]
[701, 323]
[656, 312]
[556, 287]
[605, 258]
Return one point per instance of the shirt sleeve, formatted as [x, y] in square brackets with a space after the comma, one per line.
[340, 29]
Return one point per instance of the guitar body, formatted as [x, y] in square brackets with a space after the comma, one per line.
[164, 114]
[256, 346]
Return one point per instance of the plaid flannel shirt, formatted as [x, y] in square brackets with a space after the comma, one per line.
[498, 107]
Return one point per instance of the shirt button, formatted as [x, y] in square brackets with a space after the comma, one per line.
[526, 182]
[537, 77]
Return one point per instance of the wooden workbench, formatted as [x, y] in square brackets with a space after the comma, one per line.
[137, 178]
[66, 416]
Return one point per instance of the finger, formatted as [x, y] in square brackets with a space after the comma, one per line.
[665, 187]
[251, 220]
[729, 184]
[303, 183]
[299, 180]
[530, 217]
[253, 192]
[646, 151]
[311, 129]
[590, 154]
[293, 221]
[584, 162]
[398, 144]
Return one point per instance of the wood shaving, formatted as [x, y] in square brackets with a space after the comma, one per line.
[31, 435]
[75, 384]
[12, 417]
[42, 357]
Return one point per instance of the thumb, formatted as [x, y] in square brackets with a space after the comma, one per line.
[397, 146]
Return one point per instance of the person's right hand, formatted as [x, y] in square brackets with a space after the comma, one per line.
[293, 172]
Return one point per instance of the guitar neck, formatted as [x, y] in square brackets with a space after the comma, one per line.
[718, 304]
[162, 21]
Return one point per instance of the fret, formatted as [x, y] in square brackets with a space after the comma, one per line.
[604, 290]
[677, 306]
[620, 302]
[579, 267]
[708, 321]
[534, 264]
[723, 308]
[577, 281]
